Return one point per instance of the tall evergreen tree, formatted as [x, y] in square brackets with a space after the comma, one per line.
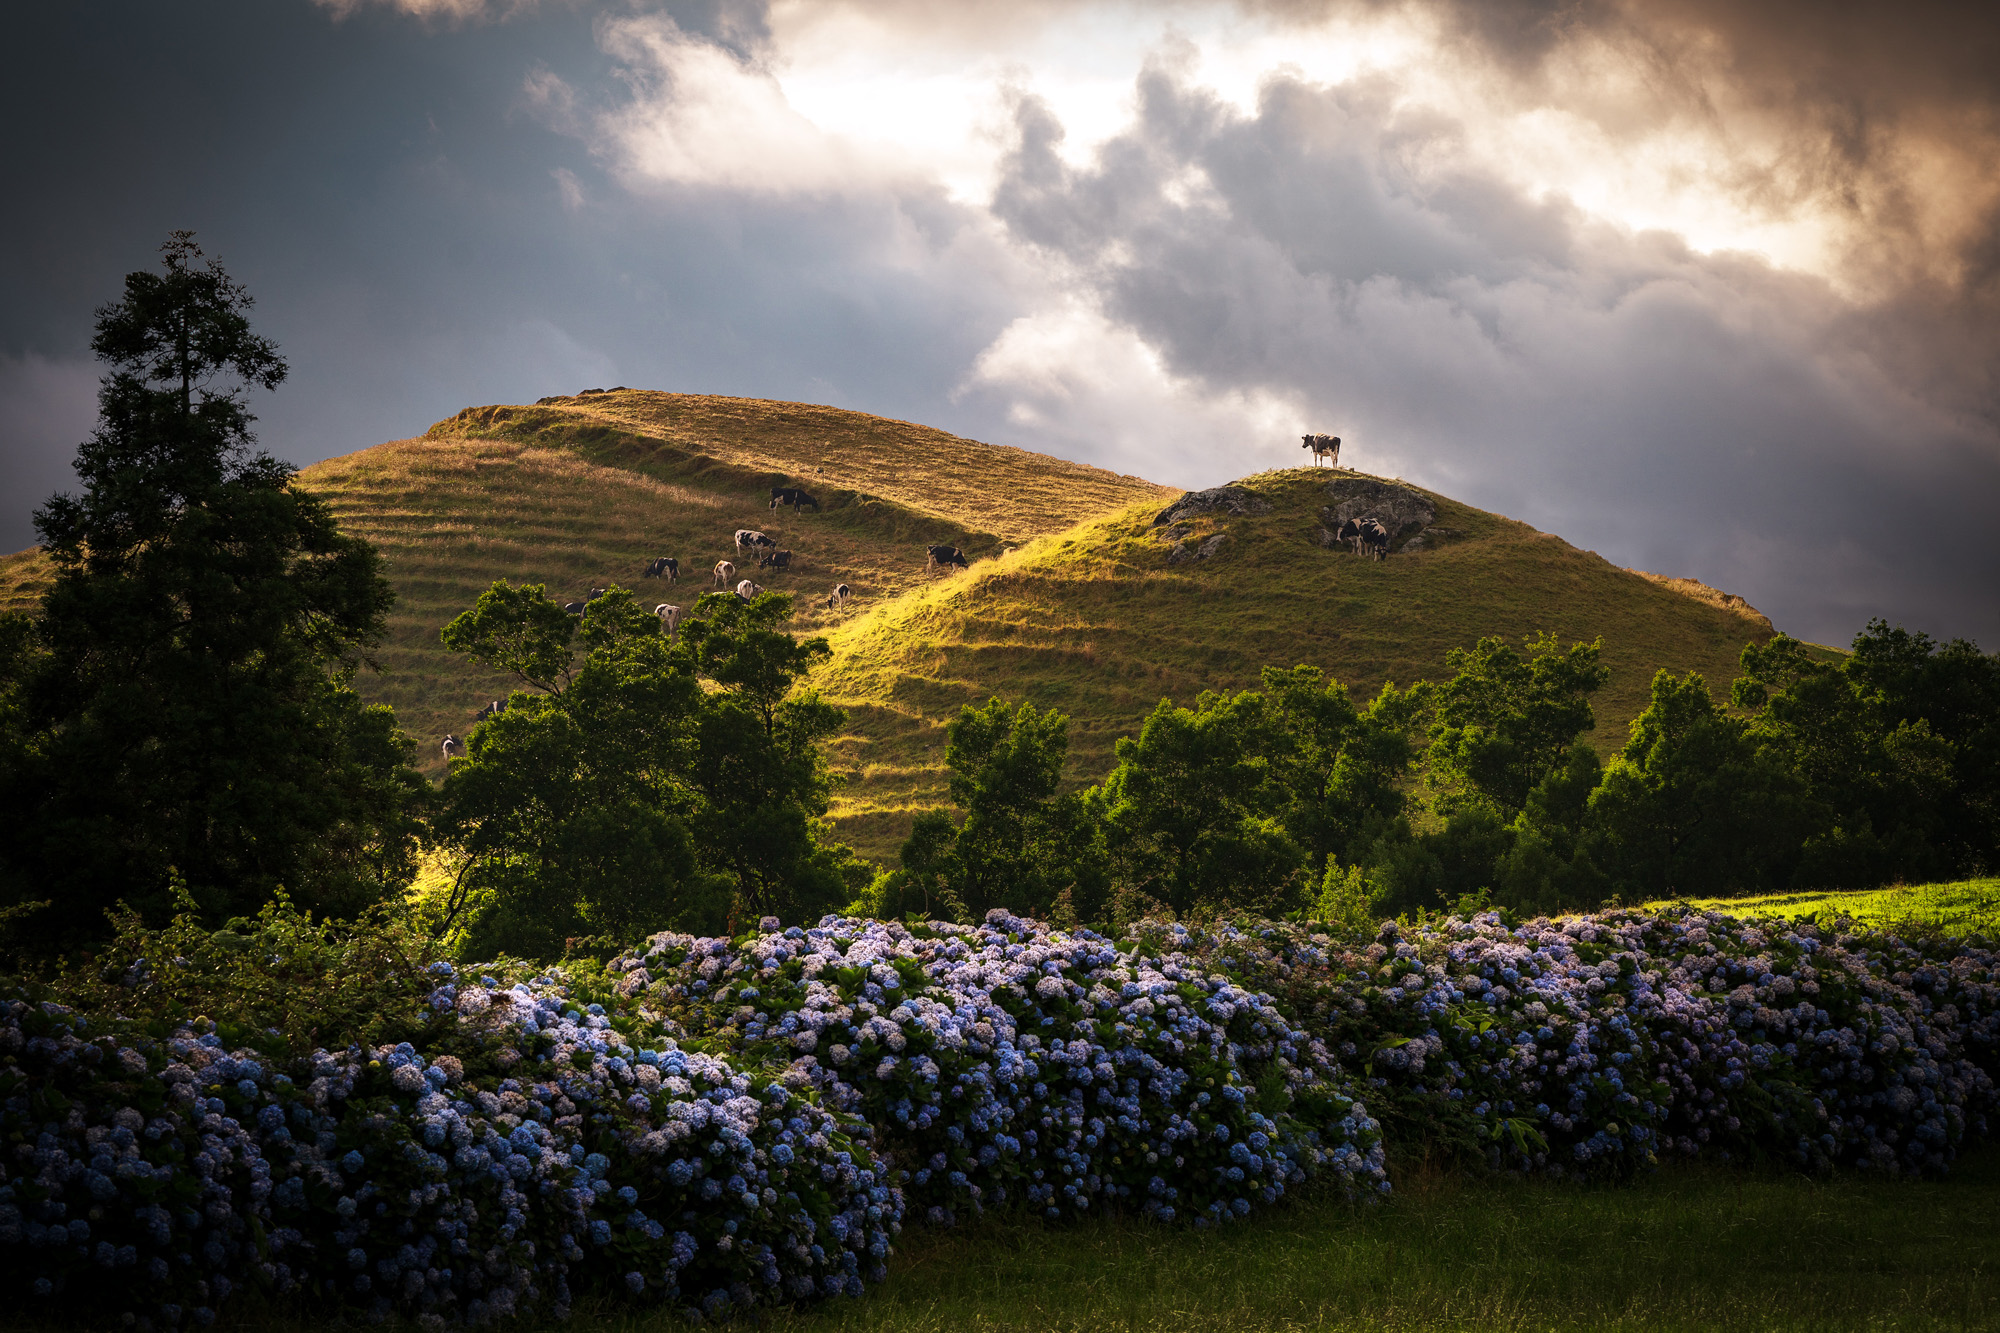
[183, 705]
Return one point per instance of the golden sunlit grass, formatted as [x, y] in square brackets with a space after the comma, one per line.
[1094, 622]
[1012, 493]
[1083, 615]
[24, 577]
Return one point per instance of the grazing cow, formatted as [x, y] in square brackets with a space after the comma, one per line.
[747, 590]
[776, 560]
[492, 709]
[793, 496]
[1323, 446]
[1374, 538]
[841, 592]
[574, 608]
[666, 567]
[596, 593]
[454, 748]
[724, 571]
[749, 539]
[936, 557]
[670, 620]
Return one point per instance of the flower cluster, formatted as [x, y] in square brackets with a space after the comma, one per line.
[713, 1125]
[1599, 1044]
[1011, 1064]
[150, 1177]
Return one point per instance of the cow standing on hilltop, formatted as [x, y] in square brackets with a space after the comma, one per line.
[1323, 446]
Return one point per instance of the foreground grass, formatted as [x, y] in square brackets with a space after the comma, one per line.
[1700, 1249]
[1962, 907]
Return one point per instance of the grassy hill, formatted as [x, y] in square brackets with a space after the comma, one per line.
[1097, 623]
[1071, 601]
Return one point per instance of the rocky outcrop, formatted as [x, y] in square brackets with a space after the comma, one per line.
[1215, 500]
[1182, 553]
[1405, 511]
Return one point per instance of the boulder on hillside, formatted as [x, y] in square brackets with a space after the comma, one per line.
[1216, 499]
[1405, 511]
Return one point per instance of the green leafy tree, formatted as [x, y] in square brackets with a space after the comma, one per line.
[1505, 721]
[1023, 846]
[1900, 741]
[1691, 807]
[639, 783]
[1547, 867]
[184, 703]
[1340, 770]
[1190, 811]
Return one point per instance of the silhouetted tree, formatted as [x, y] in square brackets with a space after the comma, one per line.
[183, 706]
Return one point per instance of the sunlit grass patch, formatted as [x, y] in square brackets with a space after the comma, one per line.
[1095, 622]
[1961, 907]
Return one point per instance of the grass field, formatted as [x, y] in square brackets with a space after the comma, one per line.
[1959, 908]
[1069, 603]
[1698, 1250]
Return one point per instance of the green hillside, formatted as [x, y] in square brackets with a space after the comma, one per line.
[558, 495]
[1083, 613]
[1097, 623]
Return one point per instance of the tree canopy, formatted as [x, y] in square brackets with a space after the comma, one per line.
[181, 706]
[641, 782]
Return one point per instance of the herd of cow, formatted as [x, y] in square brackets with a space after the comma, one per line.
[749, 542]
[1368, 536]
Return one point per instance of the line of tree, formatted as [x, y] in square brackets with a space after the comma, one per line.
[178, 726]
[1824, 771]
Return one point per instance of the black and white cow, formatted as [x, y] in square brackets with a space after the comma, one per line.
[1323, 447]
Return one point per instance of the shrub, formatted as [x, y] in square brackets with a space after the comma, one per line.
[1012, 1064]
[713, 1125]
[1600, 1044]
[153, 1176]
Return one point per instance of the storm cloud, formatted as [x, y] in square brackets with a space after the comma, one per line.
[1711, 289]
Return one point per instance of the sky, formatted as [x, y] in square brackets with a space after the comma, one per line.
[1711, 288]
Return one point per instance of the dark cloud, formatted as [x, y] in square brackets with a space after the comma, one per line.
[419, 238]
[1704, 415]
[453, 211]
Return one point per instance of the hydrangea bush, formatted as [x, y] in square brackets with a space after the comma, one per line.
[1600, 1044]
[1010, 1064]
[149, 1178]
[713, 1125]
